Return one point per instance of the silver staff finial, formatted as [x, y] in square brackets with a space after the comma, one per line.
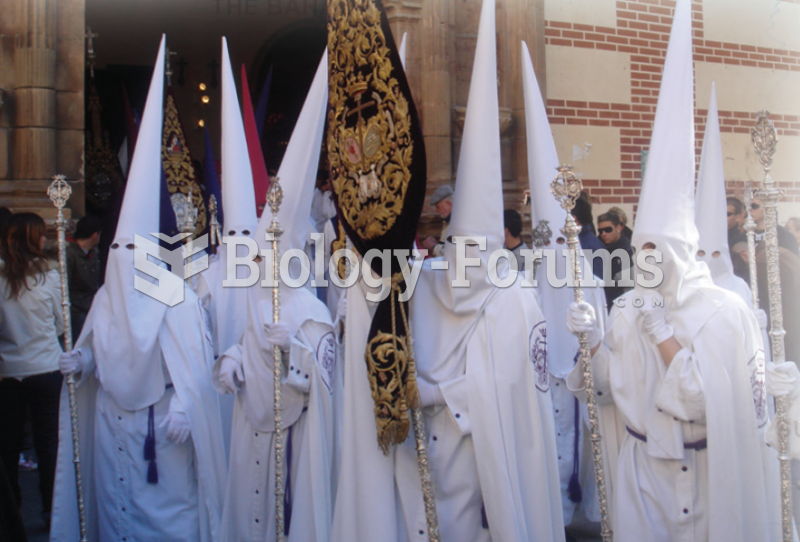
[765, 139]
[185, 211]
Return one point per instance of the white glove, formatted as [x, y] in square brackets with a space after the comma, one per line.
[277, 334]
[429, 394]
[783, 379]
[229, 372]
[761, 316]
[341, 307]
[654, 317]
[178, 428]
[582, 319]
[70, 362]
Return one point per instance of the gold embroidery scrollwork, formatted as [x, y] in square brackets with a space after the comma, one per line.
[177, 163]
[387, 369]
[371, 148]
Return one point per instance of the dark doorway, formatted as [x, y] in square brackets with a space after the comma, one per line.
[293, 55]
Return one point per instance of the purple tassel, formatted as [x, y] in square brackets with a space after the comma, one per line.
[287, 496]
[574, 489]
[150, 448]
[152, 472]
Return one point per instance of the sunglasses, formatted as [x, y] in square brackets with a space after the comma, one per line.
[607, 229]
[755, 206]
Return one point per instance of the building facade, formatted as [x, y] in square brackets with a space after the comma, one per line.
[598, 62]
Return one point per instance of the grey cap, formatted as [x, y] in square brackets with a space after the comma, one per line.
[443, 192]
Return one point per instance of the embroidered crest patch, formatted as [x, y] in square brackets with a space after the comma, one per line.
[326, 358]
[537, 345]
[757, 367]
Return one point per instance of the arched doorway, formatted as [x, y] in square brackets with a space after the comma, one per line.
[293, 55]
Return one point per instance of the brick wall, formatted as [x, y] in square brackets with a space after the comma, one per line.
[642, 32]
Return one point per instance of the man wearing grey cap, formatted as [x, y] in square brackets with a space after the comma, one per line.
[442, 200]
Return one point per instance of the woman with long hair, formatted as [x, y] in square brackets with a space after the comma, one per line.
[30, 325]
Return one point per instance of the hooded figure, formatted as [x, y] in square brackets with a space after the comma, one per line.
[305, 334]
[710, 217]
[578, 487]
[148, 415]
[711, 209]
[226, 305]
[682, 361]
[483, 378]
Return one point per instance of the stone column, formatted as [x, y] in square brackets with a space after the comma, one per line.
[70, 73]
[517, 21]
[7, 31]
[435, 103]
[405, 16]
[35, 63]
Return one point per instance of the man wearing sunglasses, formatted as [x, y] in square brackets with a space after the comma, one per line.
[609, 229]
[785, 237]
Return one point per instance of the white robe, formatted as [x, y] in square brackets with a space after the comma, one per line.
[663, 492]
[368, 507]
[185, 505]
[312, 377]
[496, 388]
[227, 311]
[492, 447]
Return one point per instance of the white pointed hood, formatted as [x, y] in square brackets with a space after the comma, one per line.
[238, 195]
[711, 205]
[297, 176]
[298, 170]
[126, 322]
[403, 50]
[542, 168]
[542, 156]
[665, 216]
[478, 201]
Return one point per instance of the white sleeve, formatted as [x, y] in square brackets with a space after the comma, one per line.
[53, 285]
[600, 374]
[89, 364]
[455, 395]
[681, 392]
[234, 353]
[302, 364]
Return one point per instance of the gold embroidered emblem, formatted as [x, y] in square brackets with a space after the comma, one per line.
[370, 145]
[177, 162]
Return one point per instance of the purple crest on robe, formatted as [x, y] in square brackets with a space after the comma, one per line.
[537, 344]
[326, 358]
[758, 382]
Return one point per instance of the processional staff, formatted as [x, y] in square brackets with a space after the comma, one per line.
[59, 192]
[566, 188]
[540, 234]
[274, 200]
[750, 228]
[539, 237]
[214, 227]
[765, 140]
